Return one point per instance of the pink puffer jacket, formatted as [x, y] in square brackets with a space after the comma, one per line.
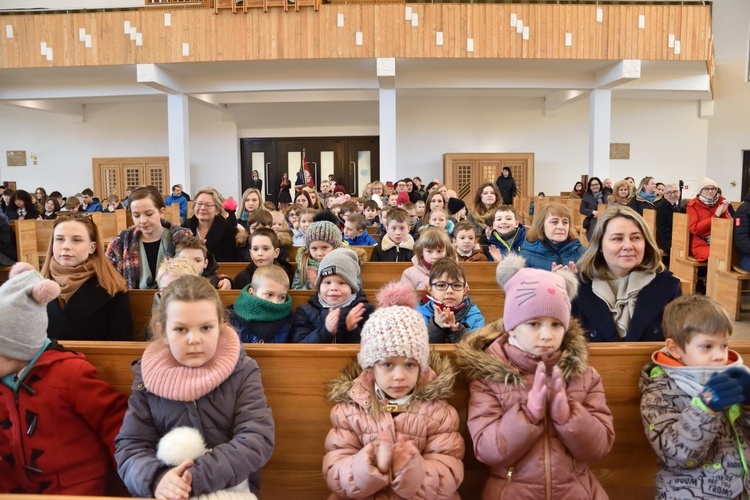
[430, 422]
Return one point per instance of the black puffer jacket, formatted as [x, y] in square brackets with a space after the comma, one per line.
[309, 325]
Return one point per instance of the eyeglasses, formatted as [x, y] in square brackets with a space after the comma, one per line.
[292, 214]
[443, 285]
[672, 192]
[710, 188]
[199, 204]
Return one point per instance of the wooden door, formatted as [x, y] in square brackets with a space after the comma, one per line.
[116, 175]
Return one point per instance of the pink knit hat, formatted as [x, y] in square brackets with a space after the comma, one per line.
[396, 328]
[534, 293]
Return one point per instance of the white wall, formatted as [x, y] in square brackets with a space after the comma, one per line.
[214, 151]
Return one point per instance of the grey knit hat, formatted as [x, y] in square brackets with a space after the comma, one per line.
[341, 262]
[323, 231]
[23, 309]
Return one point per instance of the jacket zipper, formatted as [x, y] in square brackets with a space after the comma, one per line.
[547, 466]
[508, 477]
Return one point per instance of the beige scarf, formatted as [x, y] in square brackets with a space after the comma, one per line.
[621, 296]
[70, 279]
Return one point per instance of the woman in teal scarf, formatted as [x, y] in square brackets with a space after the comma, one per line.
[646, 196]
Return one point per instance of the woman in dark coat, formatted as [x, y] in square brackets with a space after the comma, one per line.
[208, 222]
[93, 302]
[506, 184]
[592, 198]
[285, 198]
[624, 286]
[256, 182]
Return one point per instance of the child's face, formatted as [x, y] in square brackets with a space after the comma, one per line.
[319, 249]
[360, 206]
[420, 208]
[305, 221]
[192, 331]
[252, 202]
[432, 255]
[292, 217]
[71, 245]
[465, 240]
[397, 231]
[330, 201]
[270, 290]
[539, 335]
[396, 376]
[351, 231]
[370, 213]
[393, 200]
[334, 290]
[336, 209]
[703, 350]
[505, 222]
[438, 219]
[449, 296]
[279, 224]
[262, 251]
[345, 215]
[196, 258]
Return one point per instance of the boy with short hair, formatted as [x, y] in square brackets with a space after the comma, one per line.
[446, 306]
[506, 234]
[264, 251]
[262, 312]
[355, 232]
[88, 202]
[465, 241]
[339, 309]
[393, 200]
[694, 394]
[347, 208]
[258, 219]
[194, 249]
[371, 212]
[397, 245]
[361, 204]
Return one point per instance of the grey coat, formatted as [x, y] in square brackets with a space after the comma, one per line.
[234, 419]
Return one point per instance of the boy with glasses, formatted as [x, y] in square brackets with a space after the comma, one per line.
[445, 305]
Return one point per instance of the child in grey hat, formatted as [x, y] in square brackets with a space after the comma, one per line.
[337, 312]
[58, 422]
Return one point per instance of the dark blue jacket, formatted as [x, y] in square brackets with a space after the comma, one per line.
[258, 332]
[363, 240]
[541, 255]
[309, 325]
[506, 247]
[645, 325]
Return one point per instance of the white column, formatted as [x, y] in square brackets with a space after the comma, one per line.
[600, 124]
[387, 93]
[179, 141]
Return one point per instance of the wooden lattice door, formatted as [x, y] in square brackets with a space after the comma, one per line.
[116, 175]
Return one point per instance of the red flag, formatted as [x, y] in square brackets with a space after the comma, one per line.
[308, 176]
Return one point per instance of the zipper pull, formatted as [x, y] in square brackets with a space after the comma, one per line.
[510, 473]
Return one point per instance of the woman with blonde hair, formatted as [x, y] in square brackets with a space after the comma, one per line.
[645, 196]
[209, 222]
[624, 286]
[552, 242]
[251, 199]
[621, 194]
[93, 302]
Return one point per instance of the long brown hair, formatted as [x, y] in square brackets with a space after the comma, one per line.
[106, 275]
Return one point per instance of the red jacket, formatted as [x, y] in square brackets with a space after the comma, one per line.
[69, 449]
[700, 226]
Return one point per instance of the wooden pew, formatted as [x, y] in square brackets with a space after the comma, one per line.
[725, 279]
[649, 215]
[490, 303]
[172, 214]
[295, 389]
[682, 265]
[26, 243]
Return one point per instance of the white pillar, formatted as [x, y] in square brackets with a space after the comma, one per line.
[386, 68]
[600, 124]
[179, 141]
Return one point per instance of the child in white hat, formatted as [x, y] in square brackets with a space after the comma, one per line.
[394, 434]
[58, 422]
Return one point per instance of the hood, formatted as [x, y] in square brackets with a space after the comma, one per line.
[477, 364]
[440, 385]
[387, 244]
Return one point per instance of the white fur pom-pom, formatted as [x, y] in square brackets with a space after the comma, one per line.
[508, 267]
[180, 444]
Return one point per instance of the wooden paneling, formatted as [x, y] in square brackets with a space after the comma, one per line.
[310, 34]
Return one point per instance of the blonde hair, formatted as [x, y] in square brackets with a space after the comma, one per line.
[272, 273]
[245, 194]
[175, 266]
[540, 217]
[106, 275]
[592, 264]
[691, 314]
[218, 200]
[434, 238]
[188, 288]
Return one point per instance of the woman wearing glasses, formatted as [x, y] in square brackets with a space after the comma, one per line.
[208, 222]
[589, 208]
[706, 205]
[137, 252]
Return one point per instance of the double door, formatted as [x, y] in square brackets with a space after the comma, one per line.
[353, 162]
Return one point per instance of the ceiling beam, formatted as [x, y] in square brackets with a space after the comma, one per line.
[618, 74]
[557, 100]
[154, 76]
[69, 108]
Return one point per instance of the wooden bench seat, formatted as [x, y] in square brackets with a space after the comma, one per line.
[681, 263]
[489, 302]
[724, 280]
[295, 376]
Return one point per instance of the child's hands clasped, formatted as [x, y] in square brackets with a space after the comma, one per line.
[390, 455]
[540, 394]
[445, 318]
[176, 482]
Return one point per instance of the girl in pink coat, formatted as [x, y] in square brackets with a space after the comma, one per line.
[394, 435]
[537, 412]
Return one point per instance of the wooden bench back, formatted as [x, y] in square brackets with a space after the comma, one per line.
[172, 214]
[649, 215]
[680, 237]
[295, 377]
[26, 242]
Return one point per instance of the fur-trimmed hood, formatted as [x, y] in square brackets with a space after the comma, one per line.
[475, 362]
[386, 243]
[353, 382]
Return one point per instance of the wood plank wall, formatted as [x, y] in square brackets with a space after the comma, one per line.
[312, 35]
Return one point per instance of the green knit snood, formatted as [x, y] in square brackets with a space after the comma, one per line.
[251, 308]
